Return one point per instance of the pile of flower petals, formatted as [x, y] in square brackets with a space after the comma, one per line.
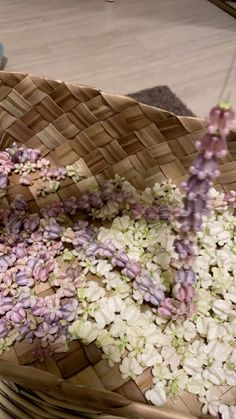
[132, 261]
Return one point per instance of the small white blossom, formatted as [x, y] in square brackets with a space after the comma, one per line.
[129, 367]
[157, 394]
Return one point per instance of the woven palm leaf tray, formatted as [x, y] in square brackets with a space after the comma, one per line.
[101, 135]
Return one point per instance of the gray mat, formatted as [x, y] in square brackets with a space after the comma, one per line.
[162, 97]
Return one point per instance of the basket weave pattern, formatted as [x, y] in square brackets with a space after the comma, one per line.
[101, 135]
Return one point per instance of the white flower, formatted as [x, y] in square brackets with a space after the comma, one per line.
[129, 367]
[157, 394]
[84, 330]
[227, 412]
[219, 350]
[189, 330]
[161, 372]
[115, 303]
[130, 313]
[195, 387]
[222, 308]
[193, 365]
[104, 339]
[112, 353]
[103, 316]
[118, 327]
[149, 356]
[215, 374]
[103, 268]
[94, 292]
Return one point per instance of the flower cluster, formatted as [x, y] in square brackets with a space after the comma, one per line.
[203, 171]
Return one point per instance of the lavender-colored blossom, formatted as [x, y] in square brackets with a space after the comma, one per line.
[24, 277]
[132, 269]
[184, 249]
[31, 223]
[203, 168]
[16, 314]
[53, 230]
[94, 200]
[20, 250]
[107, 249]
[67, 287]
[143, 281]
[152, 293]
[185, 277]
[81, 238]
[14, 223]
[70, 205]
[167, 308]
[6, 261]
[3, 180]
[185, 293]
[107, 190]
[164, 213]
[151, 214]
[42, 269]
[26, 330]
[6, 164]
[83, 203]
[38, 309]
[120, 259]
[91, 249]
[19, 205]
[52, 310]
[137, 211]
[6, 304]
[47, 332]
[3, 328]
[8, 285]
[69, 310]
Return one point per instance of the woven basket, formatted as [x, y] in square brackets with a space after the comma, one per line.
[102, 135]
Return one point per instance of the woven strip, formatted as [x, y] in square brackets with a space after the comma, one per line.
[102, 135]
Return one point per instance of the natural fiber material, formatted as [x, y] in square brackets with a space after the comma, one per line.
[102, 135]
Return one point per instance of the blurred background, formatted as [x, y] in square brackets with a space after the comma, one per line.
[124, 46]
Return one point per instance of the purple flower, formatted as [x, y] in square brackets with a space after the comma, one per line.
[16, 314]
[184, 249]
[91, 249]
[52, 310]
[6, 304]
[53, 230]
[151, 214]
[14, 223]
[185, 277]
[81, 238]
[120, 259]
[70, 205]
[167, 308]
[94, 200]
[24, 277]
[83, 203]
[107, 250]
[137, 211]
[43, 269]
[203, 168]
[47, 332]
[6, 261]
[20, 250]
[3, 328]
[3, 180]
[107, 190]
[143, 281]
[132, 269]
[6, 164]
[69, 310]
[185, 293]
[155, 295]
[53, 210]
[19, 204]
[8, 285]
[26, 330]
[164, 213]
[31, 223]
[38, 308]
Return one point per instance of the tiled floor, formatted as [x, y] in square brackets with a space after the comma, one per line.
[125, 45]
